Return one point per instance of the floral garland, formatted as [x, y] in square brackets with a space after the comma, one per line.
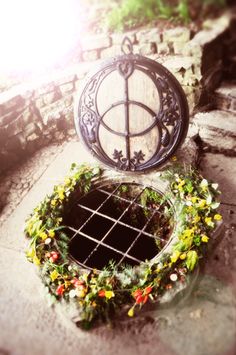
[99, 294]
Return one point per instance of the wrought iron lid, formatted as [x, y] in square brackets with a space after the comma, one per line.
[132, 113]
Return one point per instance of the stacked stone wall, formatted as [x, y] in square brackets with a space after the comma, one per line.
[34, 115]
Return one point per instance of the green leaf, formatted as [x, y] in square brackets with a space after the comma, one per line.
[192, 259]
[215, 186]
[215, 205]
[189, 187]
[36, 227]
[204, 183]
[209, 199]
[197, 240]
[183, 244]
[63, 236]
[96, 170]
[49, 223]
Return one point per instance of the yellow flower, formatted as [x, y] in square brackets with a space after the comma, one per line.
[194, 199]
[54, 275]
[209, 222]
[175, 256]
[205, 238]
[36, 260]
[43, 235]
[51, 233]
[61, 195]
[29, 227]
[180, 185]
[53, 203]
[67, 284]
[81, 293]
[109, 294]
[174, 158]
[60, 188]
[196, 219]
[30, 253]
[202, 203]
[85, 277]
[131, 312]
[67, 181]
[218, 217]
[188, 232]
[94, 304]
[183, 256]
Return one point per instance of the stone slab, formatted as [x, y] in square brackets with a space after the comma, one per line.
[218, 130]
[225, 97]
[221, 169]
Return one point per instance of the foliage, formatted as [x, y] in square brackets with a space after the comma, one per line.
[100, 294]
[132, 13]
[183, 11]
[214, 2]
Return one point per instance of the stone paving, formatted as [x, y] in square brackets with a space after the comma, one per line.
[15, 185]
[201, 323]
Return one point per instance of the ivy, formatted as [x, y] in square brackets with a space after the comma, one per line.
[192, 259]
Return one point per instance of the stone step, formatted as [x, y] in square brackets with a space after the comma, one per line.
[217, 130]
[230, 71]
[225, 97]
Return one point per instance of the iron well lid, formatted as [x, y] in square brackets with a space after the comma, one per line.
[132, 113]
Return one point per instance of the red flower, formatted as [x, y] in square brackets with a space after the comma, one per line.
[145, 298]
[101, 293]
[139, 299]
[60, 290]
[137, 293]
[53, 256]
[76, 282]
[141, 296]
[148, 290]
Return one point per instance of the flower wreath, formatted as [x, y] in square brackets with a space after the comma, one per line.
[97, 294]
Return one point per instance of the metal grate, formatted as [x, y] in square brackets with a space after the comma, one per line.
[106, 225]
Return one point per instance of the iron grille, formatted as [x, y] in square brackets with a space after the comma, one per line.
[99, 232]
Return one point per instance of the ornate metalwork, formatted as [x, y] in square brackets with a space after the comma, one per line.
[170, 120]
[126, 46]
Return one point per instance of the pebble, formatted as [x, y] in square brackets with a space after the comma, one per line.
[197, 314]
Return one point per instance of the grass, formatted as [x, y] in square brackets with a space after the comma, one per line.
[129, 14]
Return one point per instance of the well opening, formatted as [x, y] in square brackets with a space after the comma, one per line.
[124, 222]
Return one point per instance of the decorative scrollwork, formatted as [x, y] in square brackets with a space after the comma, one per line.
[89, 123]
[126, 46]
[125, 68]
[170, 109]
[165, 139]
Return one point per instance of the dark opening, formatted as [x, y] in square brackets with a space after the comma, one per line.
[122, 222]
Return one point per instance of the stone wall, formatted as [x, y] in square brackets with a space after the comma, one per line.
[34, 115]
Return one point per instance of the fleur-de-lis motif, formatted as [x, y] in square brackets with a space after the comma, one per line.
[138, 157]
[117, 155]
